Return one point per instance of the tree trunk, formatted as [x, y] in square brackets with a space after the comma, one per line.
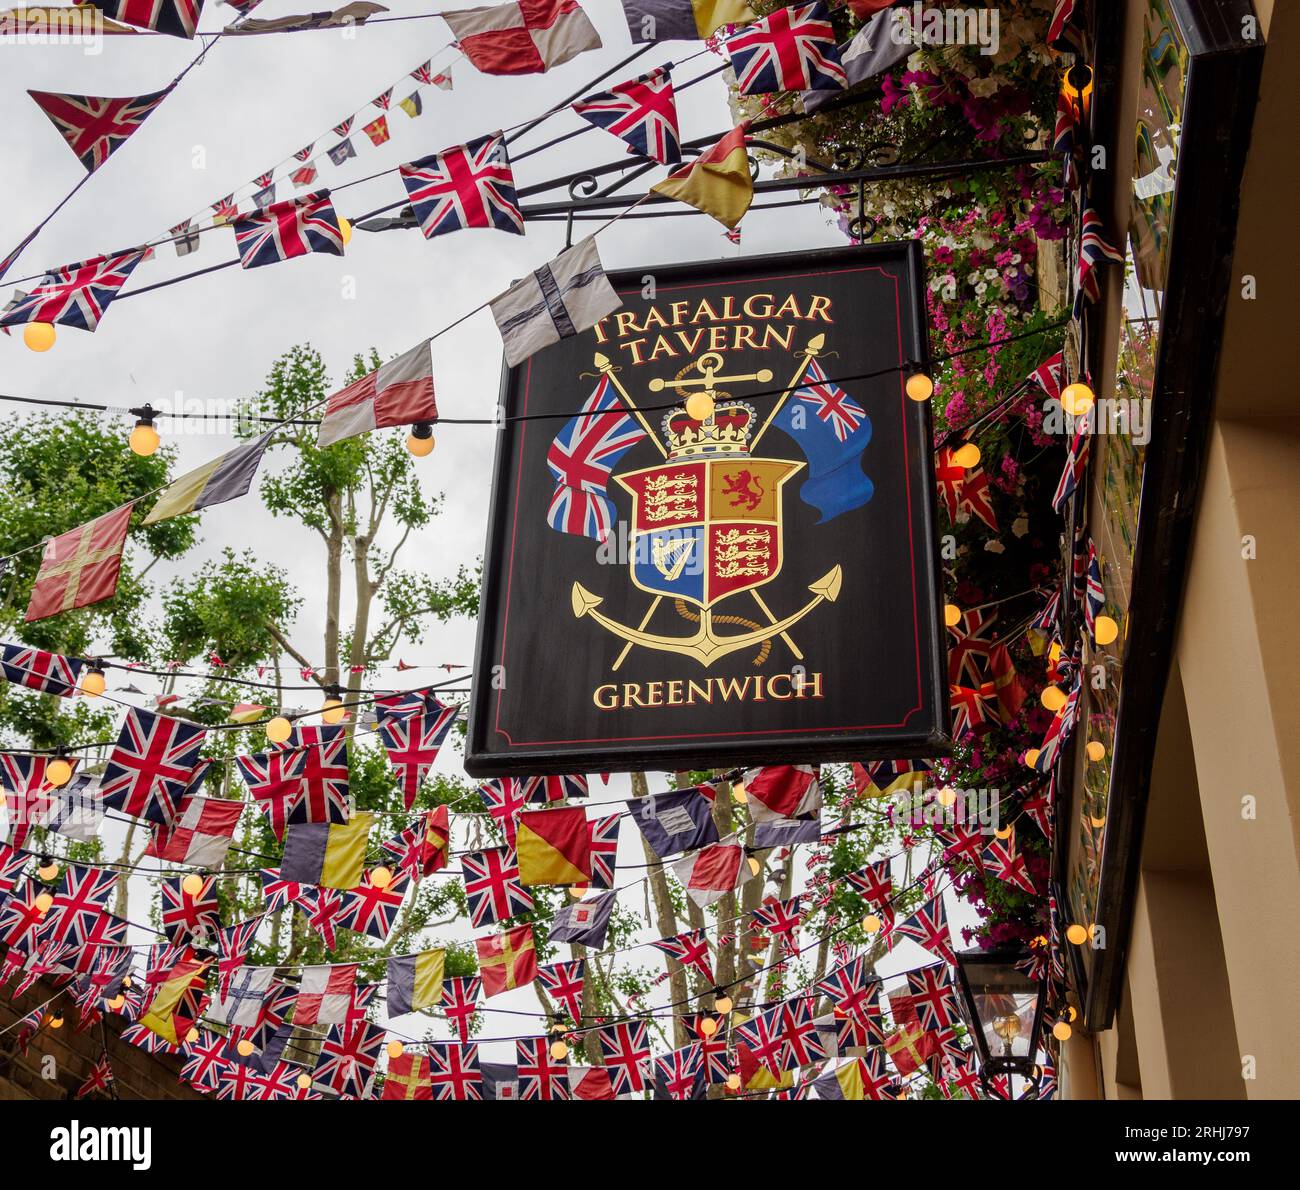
[665, 921]
[333, 588]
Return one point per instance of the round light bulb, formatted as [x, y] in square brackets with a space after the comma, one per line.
[192, 885]
[56, 1021]
[245, 1047]
[919, 386]
[117, 1001]
[345, 234]
[1077, 399]
[733, 1082]
[144, 439]
[1061, 1031]
[966, 455]
[279, 729]
[1004, 832]
[1053, 698]
[951, 615]
[126, 981]
[58, 773]
[381, 877]
[1076, 934]
[48, 869]
[1031, 757]
[578, 891]
[44, 901]
[871, 924]
[947, 796]
[94, 683]
[192, 1036]
[396, 1049]
[754, 866]
[559, 1049]
[739, 794]
[1105, 631]
[332, 710]
[304, 1081]
[1096, 751]
[700, 406]
[722, 1004]
[419, 447]
[708, 1026]
[39, 336]
[1071, 1013]
[1097, 823]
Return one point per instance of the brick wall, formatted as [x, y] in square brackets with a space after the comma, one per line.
[139, 1075]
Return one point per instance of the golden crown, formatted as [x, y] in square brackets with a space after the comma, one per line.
[725, 431]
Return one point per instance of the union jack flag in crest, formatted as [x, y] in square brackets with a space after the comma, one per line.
[284, 230]
[791, 49]
[581, 459]
[469, 185]
[641, 112]
[75, 294]
[829, 402]
[95, 126]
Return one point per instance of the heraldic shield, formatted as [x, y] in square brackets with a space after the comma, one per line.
[705, 529]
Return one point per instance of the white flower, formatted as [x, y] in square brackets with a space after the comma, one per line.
[983, 88]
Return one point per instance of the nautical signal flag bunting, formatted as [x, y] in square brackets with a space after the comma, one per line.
[717, 182]
[553, 847]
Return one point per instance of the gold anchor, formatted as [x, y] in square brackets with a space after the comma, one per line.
[703, 644]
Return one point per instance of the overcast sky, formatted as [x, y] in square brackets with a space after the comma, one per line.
[253, 102]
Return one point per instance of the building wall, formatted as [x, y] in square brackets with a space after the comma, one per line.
[139, 1075]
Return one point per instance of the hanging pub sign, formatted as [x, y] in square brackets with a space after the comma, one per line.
[725, 553]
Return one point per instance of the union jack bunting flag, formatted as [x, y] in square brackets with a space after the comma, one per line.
[324, 796]
[277, 1084]
[278, 893]
[1076, 463]
[875, 883]
[12, 863]
[828, 402]
[454, 1071]
[469, 185]
[581, 459]
[934, 997]
[679, 1072]
[854, 994]
[791, 49]
[235, 1082]
[176, 18]
[1067, 118]
[970, 644]
[80, 901]
[424, 72]
[949, 475]
[970, 707]
[28, 797]
[961, 1074]
[504, 799]
[540, 1075]
[47, 958]
[382, 101]
[75, 294]
[564, 982]
[99, 1081]
[304, 154]
[224, 209]
[801, 1040]
[48, 673]
[977, 498]
[1050, 376]
[1002, 860]
[95, 126]
[1058, 732]
[204, 1059]
[373, 911]
[1062, 35]
[183, 915]
[779, 918]
[641, 112]
[150, 768]
[602, 838]
[323, 907]
[1094, 593]
[763, 1037]
[233, 943]
[412, 743]
[344, 128]
[691, 949]
[460, 997]
[275, 780]
[625, 1048]
[492, 886]
[554, 789]
[287, 229]
[1094, 250]
[929, 926]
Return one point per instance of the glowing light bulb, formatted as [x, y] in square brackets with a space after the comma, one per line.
[1096, 750]
[144, 438]
[1004, 832]
[919, 386]
[420, 440]
[381, 877]
[48, 869]
[1077, 399]
[245, 1048]
[304, 1081]
[1076, 934]
[708, 1026]
[1053, 698]
[738, 793]
[722, 1004]
[396, 1049]
[951, 615]
[966, 455]
[192, 1036]
[39, 336]
[345, 234]
[947, 796]
[58, 773]
[559, 1049]
[700, 406]
[93, 683]
[117, 1001]
[44, 901]
[1031, 757]
[733, 1082]
[871, 924]
[1105, 631]
[578, 891]
[1061, 1031]
[192, 885]
[279, 729]
[56, 1020]
[754, 866]
[332, 710]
